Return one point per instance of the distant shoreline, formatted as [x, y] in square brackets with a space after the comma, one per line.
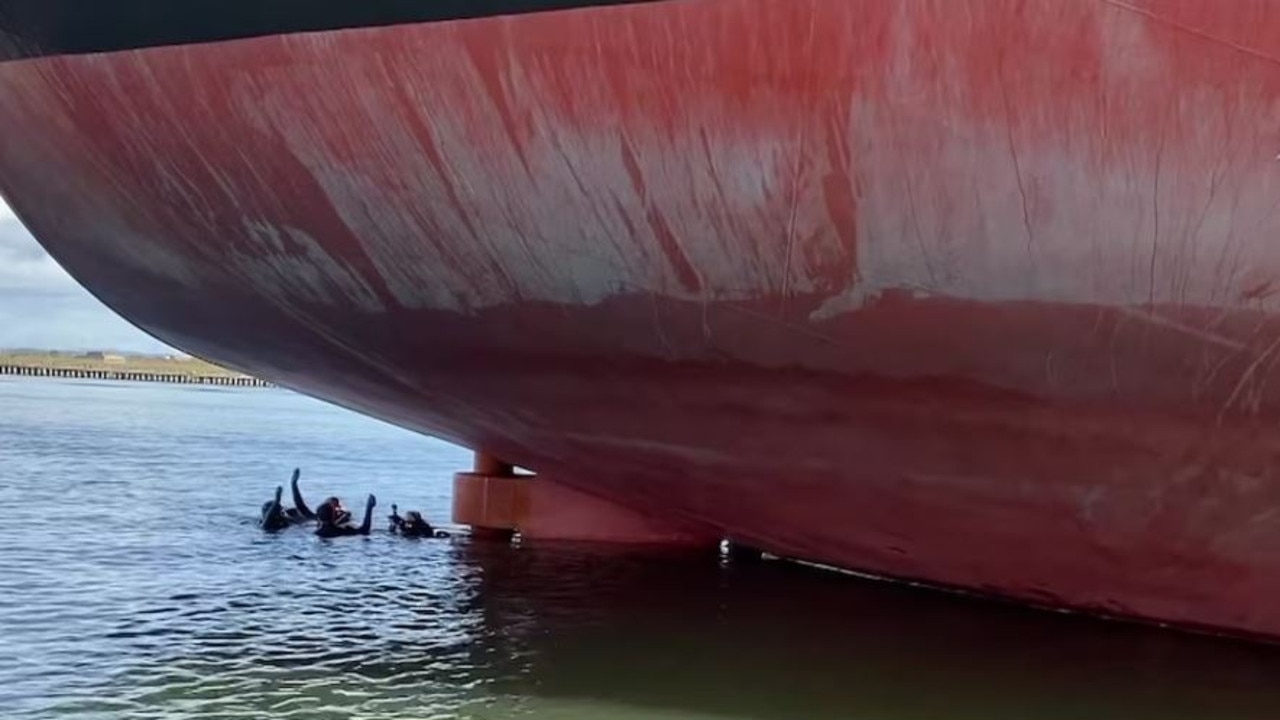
[108, 366]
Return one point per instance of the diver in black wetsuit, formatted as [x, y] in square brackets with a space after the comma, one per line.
[277, 517]
[412, 524]
[274, 516]
[334, 521]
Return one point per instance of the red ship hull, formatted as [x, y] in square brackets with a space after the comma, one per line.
[978, 293]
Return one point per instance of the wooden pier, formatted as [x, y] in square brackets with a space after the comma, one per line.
[132, 375]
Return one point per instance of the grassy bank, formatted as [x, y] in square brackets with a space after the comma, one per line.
[118, 363]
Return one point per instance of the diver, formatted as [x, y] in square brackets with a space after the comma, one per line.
[412, 524]
[332, 520]
[277, 517]
[274, 516]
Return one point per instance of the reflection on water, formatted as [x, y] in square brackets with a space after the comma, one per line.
[777, 641]
[184, 610]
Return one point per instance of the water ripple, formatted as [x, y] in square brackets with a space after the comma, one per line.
[181, 608]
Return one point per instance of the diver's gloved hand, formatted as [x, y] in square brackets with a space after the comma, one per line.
[371, 503]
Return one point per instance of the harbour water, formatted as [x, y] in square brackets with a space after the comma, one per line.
[136, 585]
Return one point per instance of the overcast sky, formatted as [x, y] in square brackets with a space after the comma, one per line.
[42, 307]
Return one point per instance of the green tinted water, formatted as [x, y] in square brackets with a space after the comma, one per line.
[181, 608]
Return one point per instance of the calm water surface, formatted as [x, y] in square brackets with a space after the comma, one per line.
[135, 585]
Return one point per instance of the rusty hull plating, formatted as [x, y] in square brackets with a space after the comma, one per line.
[978, 292]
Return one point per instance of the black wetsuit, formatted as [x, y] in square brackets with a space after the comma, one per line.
[273, 516]
[277, 517]
[414, 526]
[334, 524]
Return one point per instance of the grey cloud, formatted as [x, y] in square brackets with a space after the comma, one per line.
[25, 265]
[43, 307]
[16, 244]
